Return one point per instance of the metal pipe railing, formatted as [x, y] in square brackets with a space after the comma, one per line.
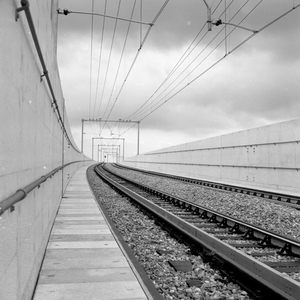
[25, 8]
[20, 194]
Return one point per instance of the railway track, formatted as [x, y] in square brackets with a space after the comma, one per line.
[240, 249]
[276, 197]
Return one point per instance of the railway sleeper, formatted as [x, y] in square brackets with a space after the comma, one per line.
[244, 245]
[284, 266]
[224, 187]
[245, 269]
[226, 237]
[211, 231]
[254, 288]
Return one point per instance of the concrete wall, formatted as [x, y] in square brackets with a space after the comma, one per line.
[32, 144]
[266, 157]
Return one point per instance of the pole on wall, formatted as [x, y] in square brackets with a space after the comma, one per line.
[138, 139]
[82, 121]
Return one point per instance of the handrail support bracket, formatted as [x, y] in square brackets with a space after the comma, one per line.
[17, 12]
[19, 9]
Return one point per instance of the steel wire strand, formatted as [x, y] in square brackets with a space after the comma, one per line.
[181, 89]
[100, 59]
[123, 83]
[119, 66]
[122, 54]
[151, 105]
[127, 130]
[141, 19]
[109, 59]
[235, 48]
[179, 63]
[91, 57]
[138, 52]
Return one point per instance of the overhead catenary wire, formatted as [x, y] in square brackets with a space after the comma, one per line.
[100, 59]
[182, 59]
[138, 52]
[205, 71]
[218, 61]
[67, 12]
[145, 110]
[142, 42]
[169, 75]
[109, 57]
[119, 66]
[136, 57]
[91, 57]
[120, 61]
[150, 106]
[141, 19]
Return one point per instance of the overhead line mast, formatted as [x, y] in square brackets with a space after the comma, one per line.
[111, 121]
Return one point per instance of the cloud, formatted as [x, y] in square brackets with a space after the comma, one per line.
[253, 86]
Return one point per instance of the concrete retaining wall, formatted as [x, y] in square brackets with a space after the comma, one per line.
[266, 157]
[32, 144]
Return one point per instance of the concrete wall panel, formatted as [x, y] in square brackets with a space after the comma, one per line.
[32, 144]
[266, 157]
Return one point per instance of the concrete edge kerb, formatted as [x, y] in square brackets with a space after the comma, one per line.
[145, 282]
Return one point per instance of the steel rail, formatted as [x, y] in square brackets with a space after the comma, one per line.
[290, 200]
[282, 287]
[286, 244]
[22, 193]
[274, 239]
[25, 8]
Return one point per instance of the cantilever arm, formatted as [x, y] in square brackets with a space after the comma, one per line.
[67, 12]
[219, 22]
[208, 16]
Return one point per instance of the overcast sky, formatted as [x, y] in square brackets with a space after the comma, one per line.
[215, 87]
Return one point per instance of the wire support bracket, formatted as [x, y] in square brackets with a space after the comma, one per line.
[19, 9]
[220, 22]
[43, 75]
[54, 107]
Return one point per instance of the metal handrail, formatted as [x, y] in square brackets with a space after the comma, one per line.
[25, 8]
[22, 193]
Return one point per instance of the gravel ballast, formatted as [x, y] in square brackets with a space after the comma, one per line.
[278, 218]
[144, 238]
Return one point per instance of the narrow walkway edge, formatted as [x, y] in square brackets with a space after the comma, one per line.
[83, 259]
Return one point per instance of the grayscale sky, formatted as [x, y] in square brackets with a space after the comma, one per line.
[229, 79]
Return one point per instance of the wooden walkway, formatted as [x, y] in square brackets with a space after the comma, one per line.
[83, 259]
